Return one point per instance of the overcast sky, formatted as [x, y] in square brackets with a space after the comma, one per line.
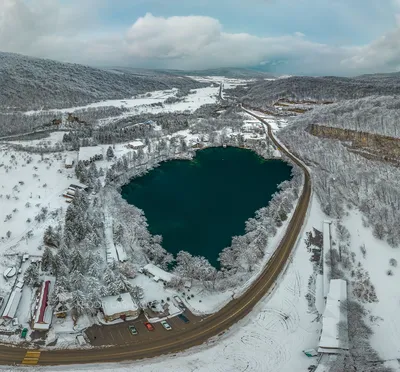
[345, 37]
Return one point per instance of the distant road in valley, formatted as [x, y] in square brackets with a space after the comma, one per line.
[195, 333]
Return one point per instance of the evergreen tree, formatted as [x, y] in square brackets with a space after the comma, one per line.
[51, 237]
[47, 259]
[31, 276]
[110, 153]
[79, 302]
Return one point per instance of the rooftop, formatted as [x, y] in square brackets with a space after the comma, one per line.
[118, 304]
[332, 340]
[158, 272]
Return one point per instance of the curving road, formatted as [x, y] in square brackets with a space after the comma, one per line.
[194, 334]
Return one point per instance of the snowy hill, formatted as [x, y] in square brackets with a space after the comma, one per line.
[31, 83]
[325, 88]
[229, 72]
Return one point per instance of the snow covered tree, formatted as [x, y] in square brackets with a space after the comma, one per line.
[31, 276]
[137, 294]
[47, 259]
[81, 172]
[51, 237]
[79, 302]
[110, 153]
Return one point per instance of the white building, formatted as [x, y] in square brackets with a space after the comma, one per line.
[158, 273]
[69, 162]
[12, 304]
[333, 340]
[120, 306]
[135, 145]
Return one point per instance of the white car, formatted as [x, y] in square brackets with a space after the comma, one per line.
[166, 325]
[179, 301]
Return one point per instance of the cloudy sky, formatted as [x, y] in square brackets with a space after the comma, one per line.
[345, 37]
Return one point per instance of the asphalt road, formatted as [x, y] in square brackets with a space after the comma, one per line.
[195, 333]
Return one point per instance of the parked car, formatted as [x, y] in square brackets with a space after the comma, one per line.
[166, 325]
[24, 333]
[133, 330]
[149, 326]
[179, 301]
[183, 318]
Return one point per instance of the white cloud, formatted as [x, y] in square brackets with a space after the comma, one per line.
[46, 28]
[199, 42]
[174, 37]
[380, 55]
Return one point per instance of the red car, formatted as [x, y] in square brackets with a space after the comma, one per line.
[149, 326]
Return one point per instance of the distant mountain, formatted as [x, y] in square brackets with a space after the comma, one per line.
[229, 72]
[31, 83]
[328, 88]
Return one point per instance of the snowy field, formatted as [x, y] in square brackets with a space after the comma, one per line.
[142, 103]
[270, 339]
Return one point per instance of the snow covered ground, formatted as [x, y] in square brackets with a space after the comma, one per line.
[142, 104]
[276, 123]
[271, 338]
[384, 317]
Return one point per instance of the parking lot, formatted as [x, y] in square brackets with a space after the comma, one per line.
[119, 334]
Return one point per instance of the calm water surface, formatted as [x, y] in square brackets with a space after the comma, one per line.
[198, 205]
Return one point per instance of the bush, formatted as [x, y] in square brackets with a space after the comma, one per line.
[363, 250]
[393, 262]
[389, 273]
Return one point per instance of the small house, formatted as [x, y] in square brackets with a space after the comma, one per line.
[69, 162]
[56, 122]
[158, 274]
[119, 307]
[135, 145]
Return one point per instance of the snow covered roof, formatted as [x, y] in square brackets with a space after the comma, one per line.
[158, 272]
[135, 144]
[121, 253]
[88, 152]
[69, 160]
[10, 272]
[12, 304]
[332, 341]
[121, 303]
[337, 290]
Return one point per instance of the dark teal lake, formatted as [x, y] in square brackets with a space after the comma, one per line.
[199, 205]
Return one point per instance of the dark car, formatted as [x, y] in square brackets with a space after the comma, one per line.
[183, 318]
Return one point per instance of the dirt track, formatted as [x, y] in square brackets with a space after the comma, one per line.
[197, 333]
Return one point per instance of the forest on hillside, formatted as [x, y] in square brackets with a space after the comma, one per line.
[33, 84]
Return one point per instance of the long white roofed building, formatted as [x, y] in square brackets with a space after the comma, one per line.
[333, 340]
